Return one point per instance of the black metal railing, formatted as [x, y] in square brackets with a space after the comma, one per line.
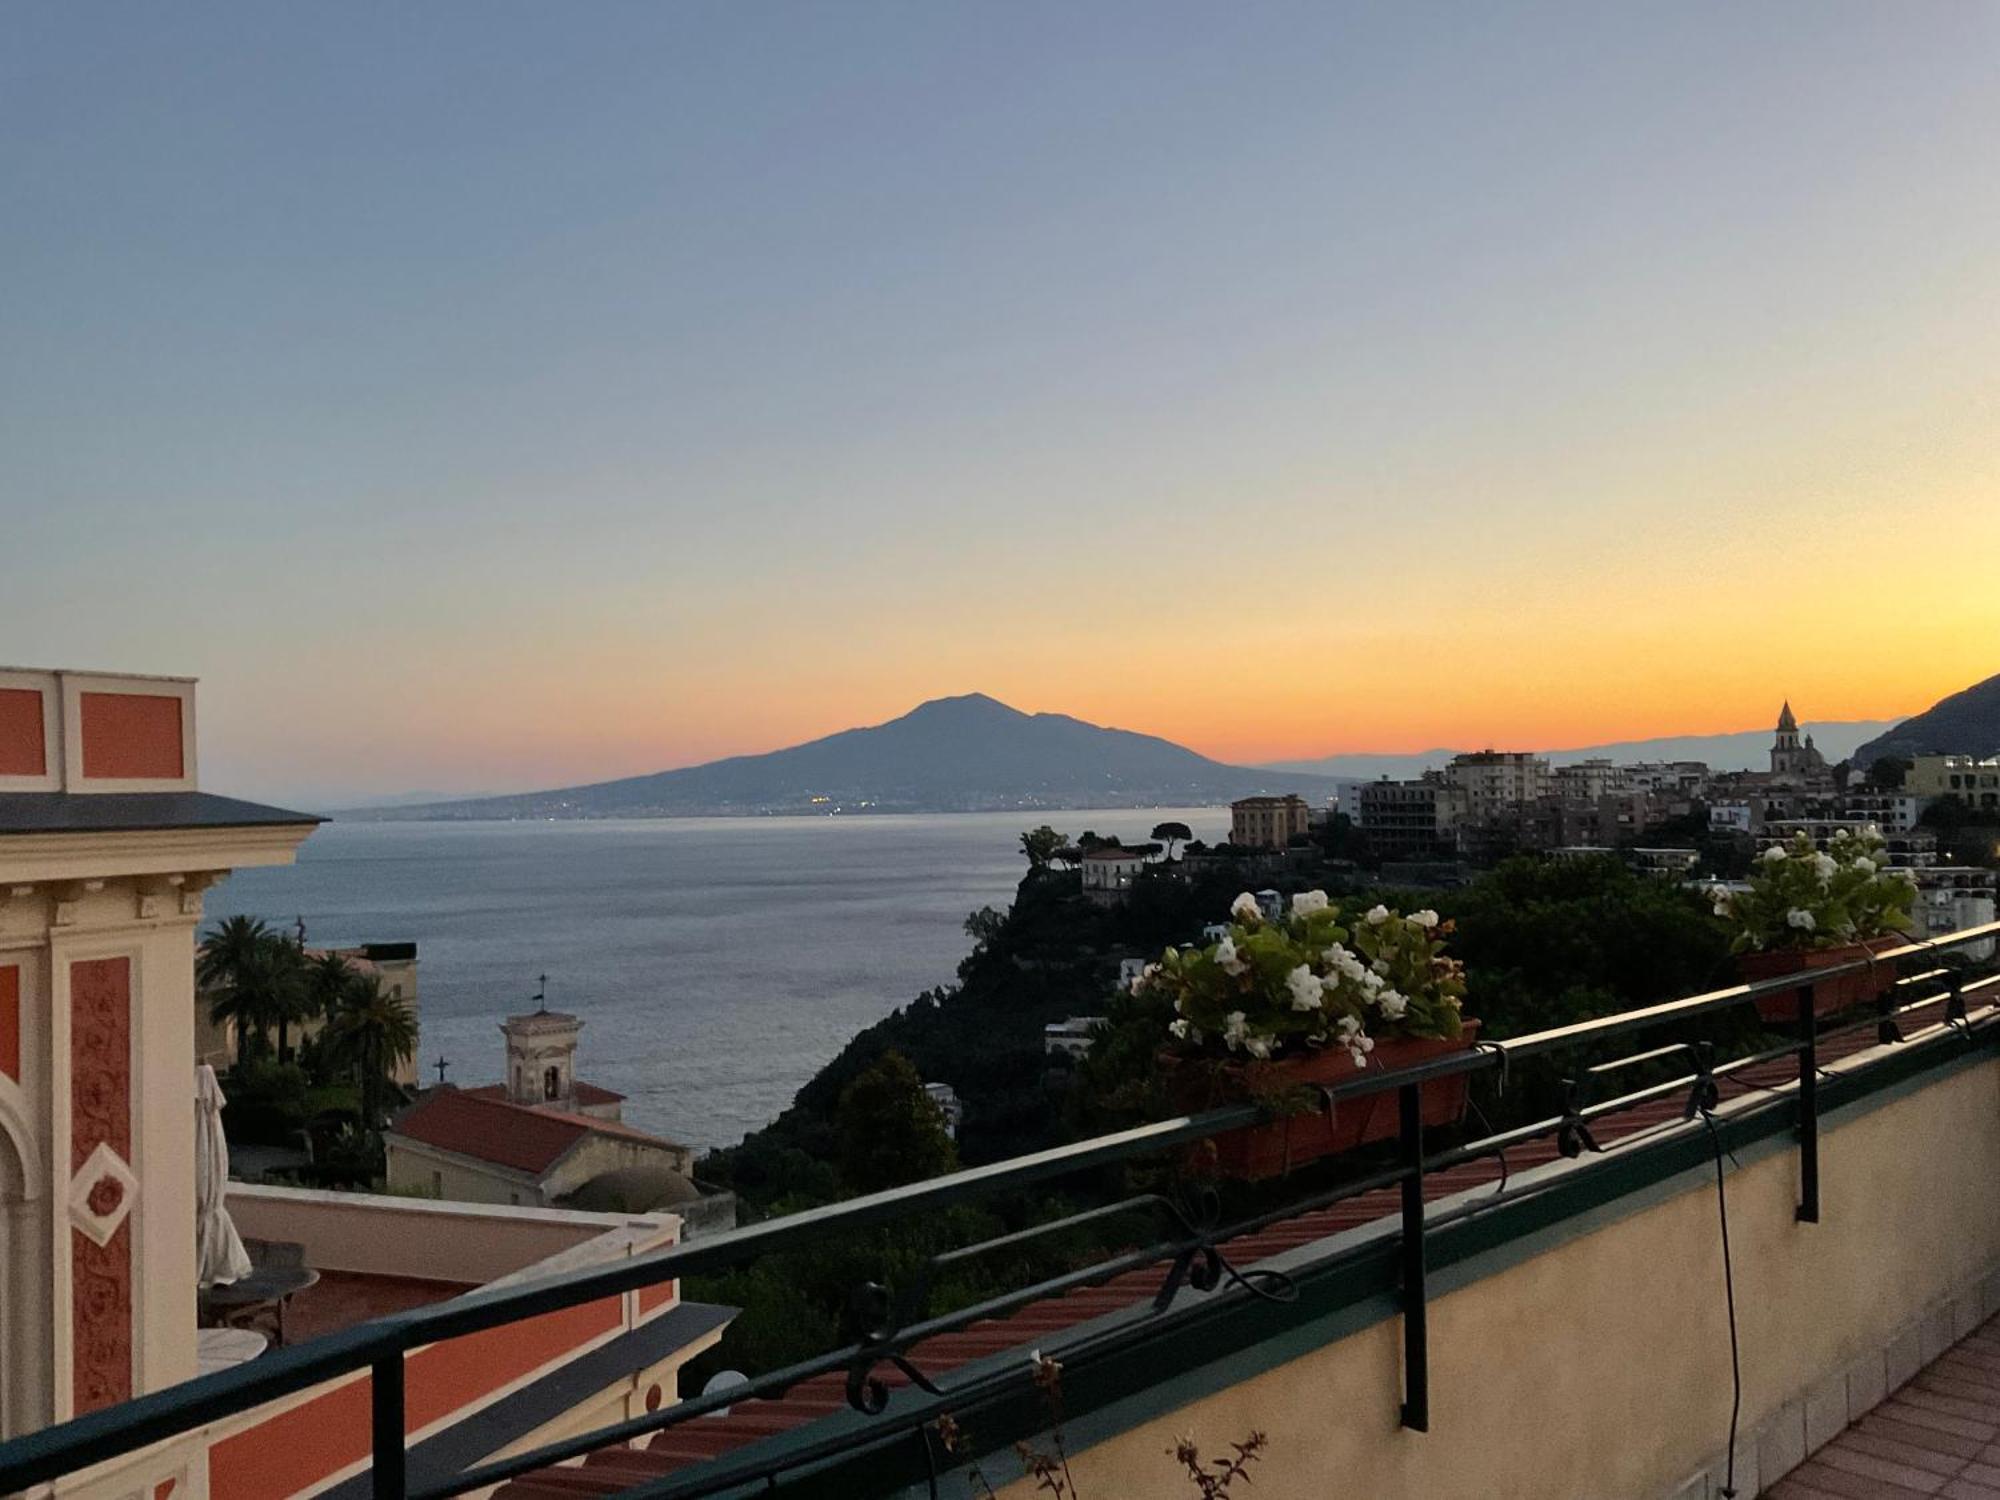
[1193, 1250]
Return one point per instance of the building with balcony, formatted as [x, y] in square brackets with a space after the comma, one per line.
[1416, 819]
[107, 846]
[1768, 1270]
[1494, 779]
[1268, 822]
[1108, 874]
[1968, 779]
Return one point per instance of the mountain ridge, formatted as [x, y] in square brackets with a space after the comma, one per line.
[966, 753]
[1963, 723]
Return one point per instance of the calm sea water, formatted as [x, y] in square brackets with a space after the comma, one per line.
[717, 962]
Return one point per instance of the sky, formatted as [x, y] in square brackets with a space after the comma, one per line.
[489, 396]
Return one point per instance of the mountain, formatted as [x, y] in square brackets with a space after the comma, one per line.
[963, 754]
[1966, 723]
[1746, 750]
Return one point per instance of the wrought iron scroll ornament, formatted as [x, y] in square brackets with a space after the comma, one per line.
[872, 1310]
[1199, 1264]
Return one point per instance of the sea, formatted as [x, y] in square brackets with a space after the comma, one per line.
[717, 963]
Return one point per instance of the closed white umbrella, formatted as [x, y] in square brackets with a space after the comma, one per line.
[219, 1254]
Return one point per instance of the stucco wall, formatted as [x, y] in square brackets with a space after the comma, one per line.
[1600, 1367]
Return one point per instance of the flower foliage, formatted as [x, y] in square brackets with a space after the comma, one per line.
[1309, 979]
[1800, 896]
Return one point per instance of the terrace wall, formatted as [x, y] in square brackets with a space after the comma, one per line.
[1596, 1363]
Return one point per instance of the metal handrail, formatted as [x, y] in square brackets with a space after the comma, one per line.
[380, 1345]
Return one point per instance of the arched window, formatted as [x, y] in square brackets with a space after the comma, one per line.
[552, 1083]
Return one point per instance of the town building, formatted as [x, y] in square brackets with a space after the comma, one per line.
[1966, 778]
[1108, 874]
[1411, 819]
[1587, 780]
[949, 1107]
[107, 846]
[1268, 822]
[1893, 810]
[1070, 1037]
[1496, 779]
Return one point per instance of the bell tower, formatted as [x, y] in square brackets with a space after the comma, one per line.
[541, 1055]
[1786, 758]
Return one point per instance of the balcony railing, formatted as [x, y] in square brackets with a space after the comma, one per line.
[1932, 976]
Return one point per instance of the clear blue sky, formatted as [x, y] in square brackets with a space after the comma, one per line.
[480, 396]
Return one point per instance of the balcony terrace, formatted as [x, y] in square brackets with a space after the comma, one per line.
[1692, 1280]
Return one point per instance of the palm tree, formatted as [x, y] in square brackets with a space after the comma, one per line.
[282, 971]
[371, 1032]
[227, 968]
[328, 976]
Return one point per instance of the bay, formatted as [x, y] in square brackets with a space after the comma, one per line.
[717, 963]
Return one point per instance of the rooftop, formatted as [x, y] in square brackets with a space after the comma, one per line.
[482, 1125]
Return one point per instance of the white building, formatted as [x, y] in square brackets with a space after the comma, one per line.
[1069, 1037]
[1495, 779]
[1109, 874]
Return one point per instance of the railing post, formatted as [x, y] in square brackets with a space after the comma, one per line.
[386, 1382]
[1416, 1344]
[1808, 1108]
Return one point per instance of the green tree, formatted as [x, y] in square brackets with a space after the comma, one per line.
[889, 1131]
[256, 982]
[1171, 834]
[371, 1031]
[1888, 773]
[1041, 845]
[986, 924]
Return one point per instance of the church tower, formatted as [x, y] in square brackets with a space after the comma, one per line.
[541, 1057]
[1785, 753]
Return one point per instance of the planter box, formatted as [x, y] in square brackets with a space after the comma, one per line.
[1830, 996]
[1254, 1152]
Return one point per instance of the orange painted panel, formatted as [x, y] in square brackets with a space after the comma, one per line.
[131, 736]
[10, 1021]
[23, 751]
[302, 1447]
[446, 1376]
[652, 1298]
[294, 1450]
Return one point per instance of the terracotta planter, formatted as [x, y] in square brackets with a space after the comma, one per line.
[1829, 995]
[1254, 1152]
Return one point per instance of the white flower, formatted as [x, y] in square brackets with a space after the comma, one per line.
[1775, 855]
[1305, 988]
[1179, 1029]
[1377, 915]
[1380, 966]
[1372, 981]
[1824, 866]
[1245, 908]
[1144, 977]
[1907, 876]
[1800, 918]
[1864, 864]
[1225, 955]
[1425, 918]
[1348, 1027]
[1234, 1029]
[1722, 908]
[1307, 902]
[1393, 1003]
[1257, 1046]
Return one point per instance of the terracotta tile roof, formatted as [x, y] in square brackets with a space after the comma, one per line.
[608, 1471]
[492, 1130]
[481, 1124]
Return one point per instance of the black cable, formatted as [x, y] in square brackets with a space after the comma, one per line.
[1729, 1293]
